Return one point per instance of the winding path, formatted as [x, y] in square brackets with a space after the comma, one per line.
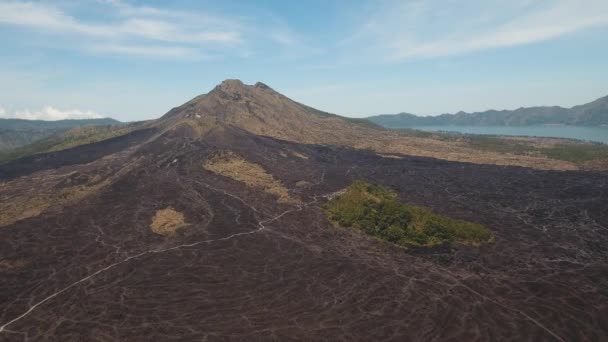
[261, 226]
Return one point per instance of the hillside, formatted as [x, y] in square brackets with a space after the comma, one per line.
[591, 114]
[15, 133]
[209, 224]
[65, 139]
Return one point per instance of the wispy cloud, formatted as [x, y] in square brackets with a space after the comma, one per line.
[37, 16]
[130, 30]
[283, 37]
[435, 28]
[151, 51]
[50, 113]
[122, 28]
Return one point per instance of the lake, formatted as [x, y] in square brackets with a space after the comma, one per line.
[599, 134]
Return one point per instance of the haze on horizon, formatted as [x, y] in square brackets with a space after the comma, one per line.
[134, 60]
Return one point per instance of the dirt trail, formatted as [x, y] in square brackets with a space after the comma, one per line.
[261, 226]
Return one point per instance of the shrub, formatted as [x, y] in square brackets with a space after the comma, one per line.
[377, 212]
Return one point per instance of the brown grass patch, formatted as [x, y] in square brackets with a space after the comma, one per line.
[26, 201]
[596, 165]
[7, 265]
[456, 151]
[303, 184]
[230, 165]
[33, 204]
[167, 221]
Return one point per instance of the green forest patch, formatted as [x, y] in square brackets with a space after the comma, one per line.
[377, 211]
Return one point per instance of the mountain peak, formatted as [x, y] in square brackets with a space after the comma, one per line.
[230, 86]
[233, 81]
[261, 85]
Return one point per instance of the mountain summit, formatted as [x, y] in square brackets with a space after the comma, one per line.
[261, 110]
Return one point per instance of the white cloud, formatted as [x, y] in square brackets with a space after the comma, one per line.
[293, 45]
[283, 37]
[50, 113]
[436, 28]
[131, 30]
[35, 15]
[155, 29]
[152, 51]
[40, 16]
[120, 28]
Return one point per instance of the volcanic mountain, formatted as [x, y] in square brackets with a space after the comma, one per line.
[262, 111]
[208, 224]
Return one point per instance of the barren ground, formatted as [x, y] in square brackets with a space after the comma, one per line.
[250, 268]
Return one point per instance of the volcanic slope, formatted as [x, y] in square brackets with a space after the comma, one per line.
[133, 238]
[262, 111]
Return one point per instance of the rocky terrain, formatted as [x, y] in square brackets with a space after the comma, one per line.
[206, 225]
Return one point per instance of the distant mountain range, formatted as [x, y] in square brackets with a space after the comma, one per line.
[22, 124]
[19, 132]
[591, 114]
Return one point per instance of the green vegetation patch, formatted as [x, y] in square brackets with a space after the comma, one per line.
[377, 212]
[410, 132]
[575, 152]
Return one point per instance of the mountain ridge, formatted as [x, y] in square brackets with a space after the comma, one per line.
[594, 113]
[15, 133]
[19, 124]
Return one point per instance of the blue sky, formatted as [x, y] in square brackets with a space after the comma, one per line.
[134, 60]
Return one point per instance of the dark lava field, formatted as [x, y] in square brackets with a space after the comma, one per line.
[247, 267]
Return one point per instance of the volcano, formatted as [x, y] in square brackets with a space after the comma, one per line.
[262, 111]
[207, 224]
